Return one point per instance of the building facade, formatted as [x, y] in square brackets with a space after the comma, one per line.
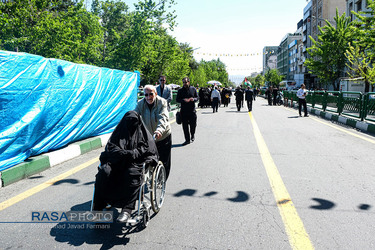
[314, 14]
[322, 10]
[287, 55]
[307, 43]
[356, 6]
[269, 58]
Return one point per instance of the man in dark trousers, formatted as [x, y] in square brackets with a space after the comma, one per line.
[249, 95]
[187, 96]
[274, 93]
[301, 94]
[269, 95]
[239, 98]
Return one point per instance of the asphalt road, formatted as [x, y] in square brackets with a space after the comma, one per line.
[294, 183]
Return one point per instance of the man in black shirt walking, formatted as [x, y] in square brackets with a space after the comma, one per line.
[249, 96]
[187, 96]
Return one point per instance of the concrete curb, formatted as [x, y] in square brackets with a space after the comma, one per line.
[363, 126]
[37, 164]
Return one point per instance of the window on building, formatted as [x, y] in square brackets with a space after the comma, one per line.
[350, 11]
[359, 5]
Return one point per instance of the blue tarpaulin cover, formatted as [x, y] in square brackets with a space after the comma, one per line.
[46, 104]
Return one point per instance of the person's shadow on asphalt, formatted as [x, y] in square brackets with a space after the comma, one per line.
[106, 234]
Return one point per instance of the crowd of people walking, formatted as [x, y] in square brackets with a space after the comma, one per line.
[274, 96]
[144, 134]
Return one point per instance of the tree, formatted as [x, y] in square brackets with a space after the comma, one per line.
[361, 53]
[198, 76]
[136, 46]
[114, 18]
[360, 64]
[58, 29]
[259, 80]
[328, 59]
[214, 70]
[273, 77]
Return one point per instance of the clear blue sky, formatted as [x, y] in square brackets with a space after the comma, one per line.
[235, 27]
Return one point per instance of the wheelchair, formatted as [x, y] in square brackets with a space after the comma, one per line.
[151, 194]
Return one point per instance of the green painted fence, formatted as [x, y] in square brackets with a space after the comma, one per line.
[354, 104]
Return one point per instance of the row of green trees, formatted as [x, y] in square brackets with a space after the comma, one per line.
[256, 81]
[271, 78]
[110, 35]
[347, 47]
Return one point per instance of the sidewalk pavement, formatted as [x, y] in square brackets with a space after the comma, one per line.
[39, 163]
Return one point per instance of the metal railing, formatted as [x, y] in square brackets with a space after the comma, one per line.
[353, 104]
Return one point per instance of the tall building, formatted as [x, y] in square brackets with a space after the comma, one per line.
[269, 58]
[322, 10]
[314, 14]
[356, 6]
[287, 55]
[307, 43]
[295, 56]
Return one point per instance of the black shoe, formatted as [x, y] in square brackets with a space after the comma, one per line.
[306, 115]
[185, 143]
[192, 139]
[123, 217]
[300, 115]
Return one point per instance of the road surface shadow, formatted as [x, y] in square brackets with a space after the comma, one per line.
[89, 183]
[240, 197]
[35, 177]
[296, 116]
[177, 145]
[324, 204]
[235, 111]
[107, 235]
[70, 181]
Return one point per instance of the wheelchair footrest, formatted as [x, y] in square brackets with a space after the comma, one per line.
[133, 222]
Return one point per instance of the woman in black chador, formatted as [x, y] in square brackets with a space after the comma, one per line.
[120, 174]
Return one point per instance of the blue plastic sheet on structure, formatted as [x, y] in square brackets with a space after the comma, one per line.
[45, 104]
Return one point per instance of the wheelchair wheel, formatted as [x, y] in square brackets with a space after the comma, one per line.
[145, 217]
[158, 187]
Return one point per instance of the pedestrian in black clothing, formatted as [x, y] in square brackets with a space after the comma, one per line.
[187, 96]
[269, 95]
[120, 172]
[239, 98]
[274, 93]
[255, 93]
[243, 92]
[249, 96]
